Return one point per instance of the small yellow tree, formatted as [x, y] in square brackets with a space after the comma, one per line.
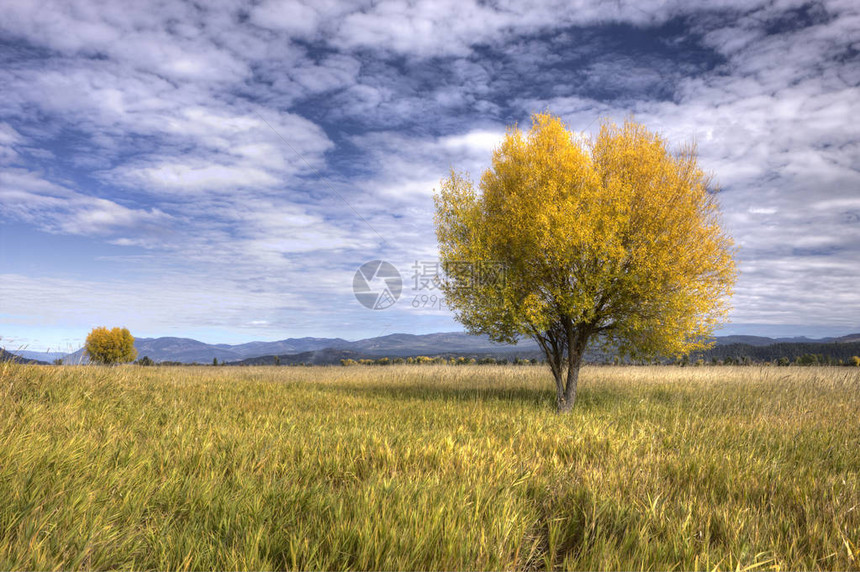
[110, 346]
[611, 237]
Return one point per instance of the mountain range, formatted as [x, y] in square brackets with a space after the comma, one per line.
[9, 356]
[186, 350]
[331, 350]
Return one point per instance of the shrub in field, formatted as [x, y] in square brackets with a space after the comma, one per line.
[574, 239]
[855, 361]
[809, 359]
[106, 346]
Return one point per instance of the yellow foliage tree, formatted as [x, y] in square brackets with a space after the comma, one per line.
[110, 346]
[611, 238]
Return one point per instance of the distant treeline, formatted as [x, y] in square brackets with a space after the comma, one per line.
[783, 353]
[788, 353]
[439, 360]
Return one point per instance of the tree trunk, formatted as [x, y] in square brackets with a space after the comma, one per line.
[566, 379]
[564, 346]
[559, 389]
[565, 401]
[573, 336]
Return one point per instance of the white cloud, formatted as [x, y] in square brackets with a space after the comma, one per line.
[480, 142]
[198, 176]
[27, 197]
[295, 18]
[8, 138]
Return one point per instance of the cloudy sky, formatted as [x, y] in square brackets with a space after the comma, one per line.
[220, 169]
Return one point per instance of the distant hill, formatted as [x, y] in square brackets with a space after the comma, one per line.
[331, 356]
[395, 345]
[332, 350]
[187, 350]
[8, 356]
[288, 346]
[43, 356]
[184, 350]
[850, 338]
[749, 340]
[829, 351]
[763, 341]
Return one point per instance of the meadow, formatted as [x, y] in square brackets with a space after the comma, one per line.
[428, 467]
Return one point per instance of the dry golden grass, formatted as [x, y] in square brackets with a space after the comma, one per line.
[428, 467]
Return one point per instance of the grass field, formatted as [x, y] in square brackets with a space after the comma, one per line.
[430, 467]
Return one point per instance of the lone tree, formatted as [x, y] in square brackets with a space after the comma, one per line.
[110, 346]
[611, 238]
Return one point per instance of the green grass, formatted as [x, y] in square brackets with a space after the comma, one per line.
[428, 467]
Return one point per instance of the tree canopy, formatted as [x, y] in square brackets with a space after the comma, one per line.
[611, 236]
[110, 346]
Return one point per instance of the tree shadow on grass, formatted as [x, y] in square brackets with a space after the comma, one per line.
[588, 398]
[431, 392]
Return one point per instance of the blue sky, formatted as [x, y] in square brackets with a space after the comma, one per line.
[219, 170]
